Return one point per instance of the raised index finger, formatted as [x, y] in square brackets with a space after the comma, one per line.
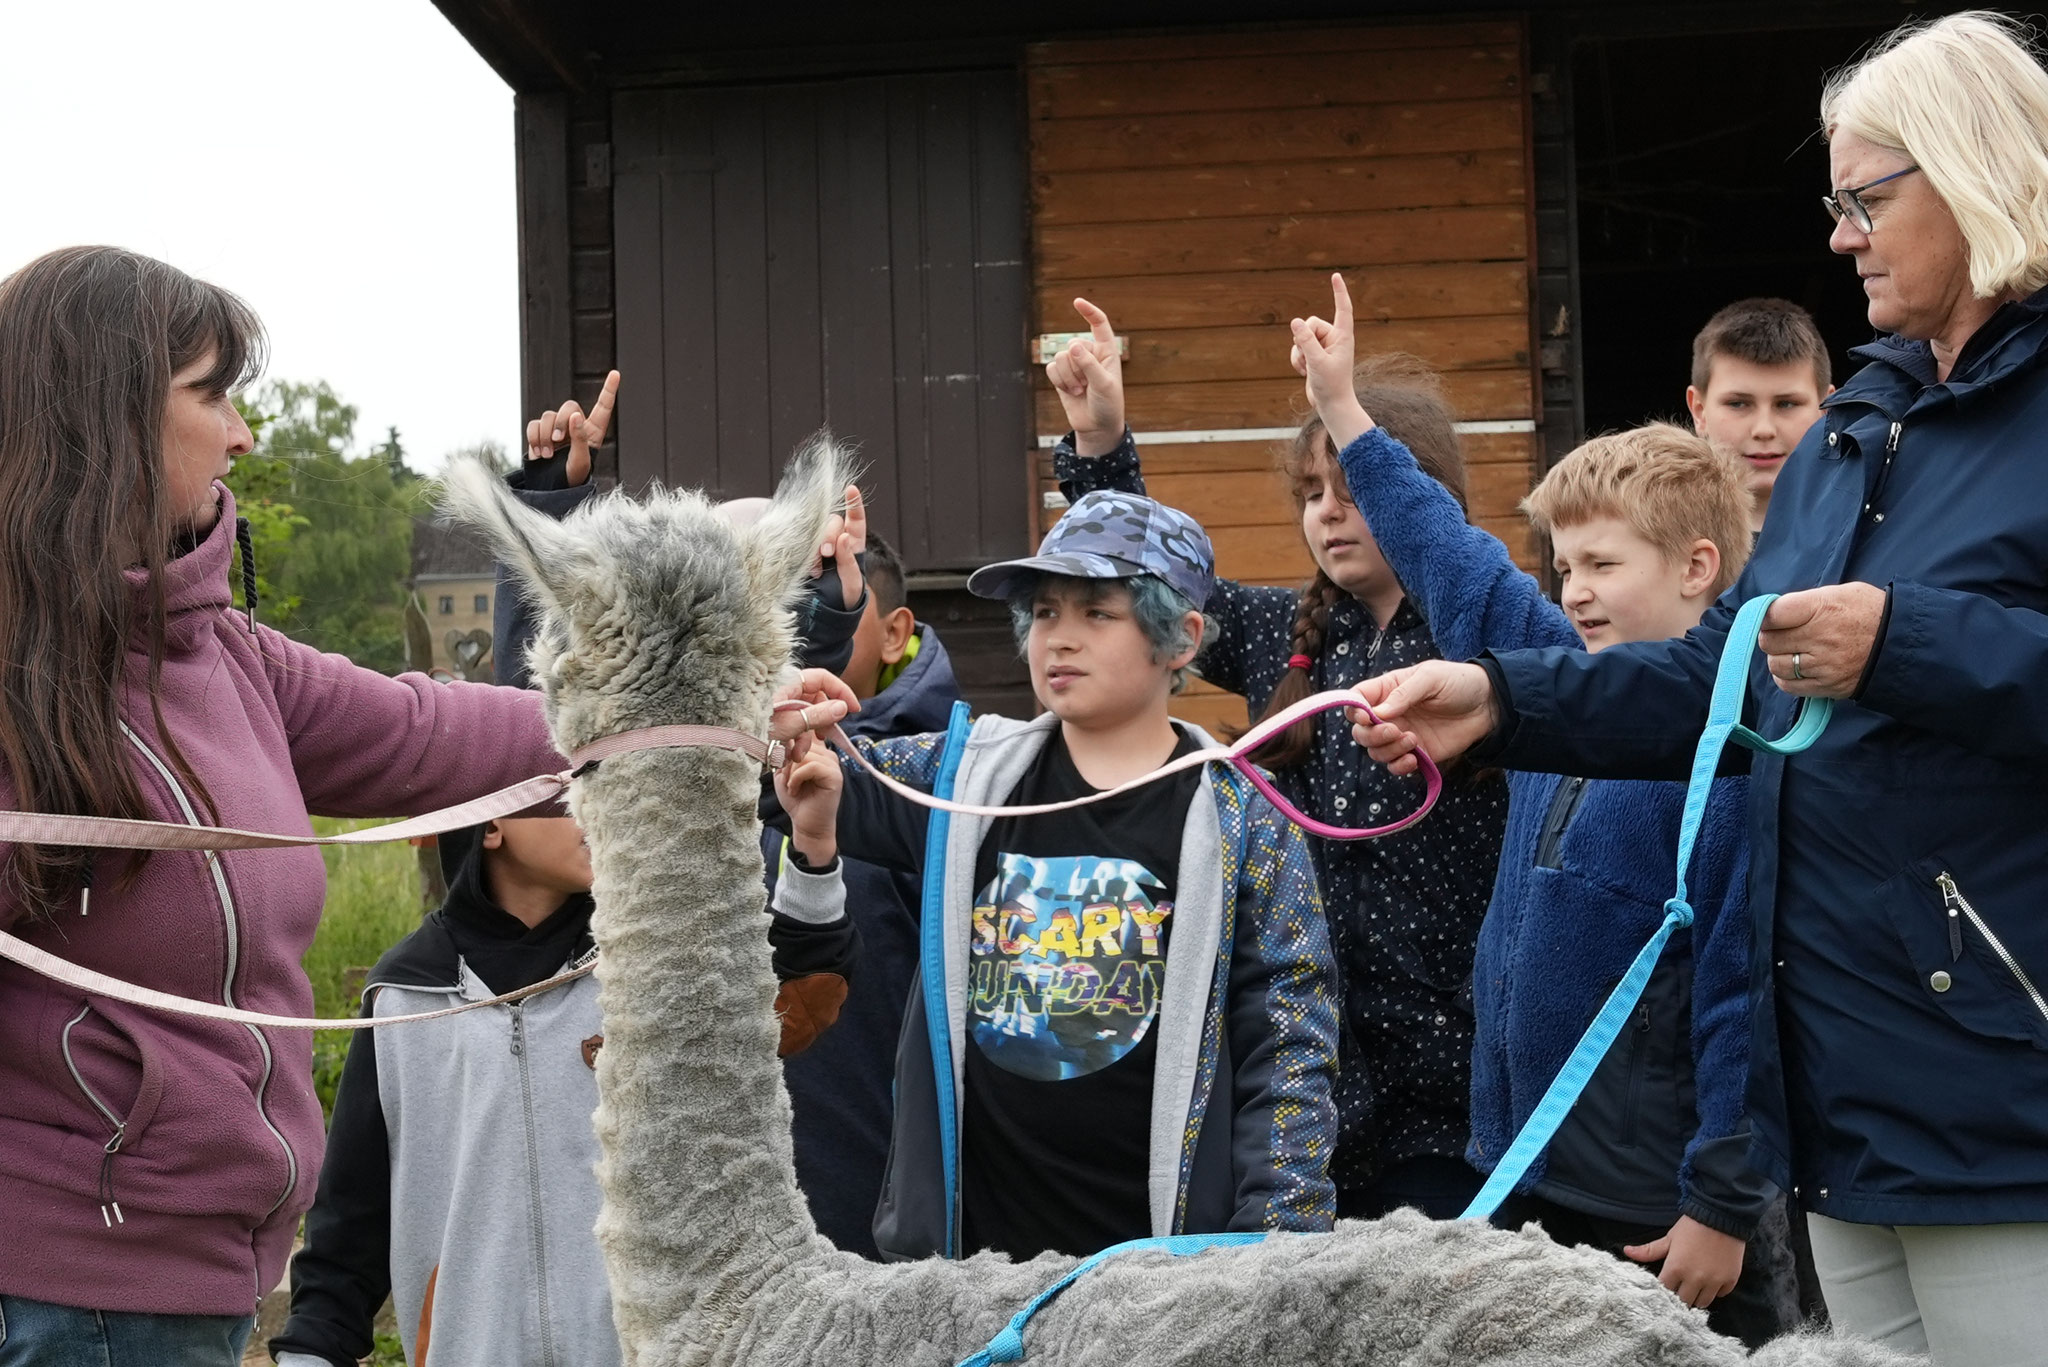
[1097, 320]
[599, 420]
[856, 517]
[1340, 295]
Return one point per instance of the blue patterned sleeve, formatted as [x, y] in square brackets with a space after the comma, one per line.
[875, 825]
[1254, 637]
[1079, 474]
[1284, 1032]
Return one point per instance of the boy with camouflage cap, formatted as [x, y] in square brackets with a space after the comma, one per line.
[1125, 1018]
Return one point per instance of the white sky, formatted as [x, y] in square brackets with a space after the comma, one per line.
[348, 169]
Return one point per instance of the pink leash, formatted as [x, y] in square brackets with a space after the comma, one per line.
[1236, 755]
[35, 828]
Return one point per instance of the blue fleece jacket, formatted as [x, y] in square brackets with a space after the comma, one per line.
[1585, 868]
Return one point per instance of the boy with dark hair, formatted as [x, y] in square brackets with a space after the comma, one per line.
[1134, 1001]
[839, 1091]
[1759, 372]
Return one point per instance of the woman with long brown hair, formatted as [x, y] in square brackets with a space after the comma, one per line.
[153, 1167]
[1404, 912]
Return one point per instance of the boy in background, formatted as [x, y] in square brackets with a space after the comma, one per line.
[460, 1161]
[839, 1091]
[1759, 373]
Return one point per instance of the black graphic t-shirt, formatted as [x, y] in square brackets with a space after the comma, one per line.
[1073, 917]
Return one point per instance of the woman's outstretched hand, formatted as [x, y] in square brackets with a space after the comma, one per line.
[1324, 355]
[1440, 708]
[1819, 640]
[1089, 378]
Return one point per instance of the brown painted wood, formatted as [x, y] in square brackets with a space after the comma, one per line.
[1475, 394]
[1225, 298]
[1269, 135]
[1352, 38]
[1496, 490]
[1298, 79]
[1267, 554]
[642, 424]
[1500, 448]
[845, 252]
[1198, 245]
[546, 327]
[1294, 187]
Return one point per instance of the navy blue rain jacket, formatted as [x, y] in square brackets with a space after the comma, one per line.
[1899, 869]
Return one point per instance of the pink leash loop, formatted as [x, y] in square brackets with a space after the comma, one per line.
[1236, 755]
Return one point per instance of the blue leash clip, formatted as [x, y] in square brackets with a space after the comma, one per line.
[1724, 723]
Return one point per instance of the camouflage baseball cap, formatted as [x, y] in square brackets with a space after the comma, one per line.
[1108, 535]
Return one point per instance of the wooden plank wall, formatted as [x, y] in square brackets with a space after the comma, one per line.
[1201, 187]
[845, 252]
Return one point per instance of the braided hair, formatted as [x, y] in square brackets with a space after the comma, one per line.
[1405, 397]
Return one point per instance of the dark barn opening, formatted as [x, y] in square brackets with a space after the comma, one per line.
[1700, 169]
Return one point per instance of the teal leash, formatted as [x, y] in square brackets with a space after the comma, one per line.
[1724, 723]
[1008, 1346]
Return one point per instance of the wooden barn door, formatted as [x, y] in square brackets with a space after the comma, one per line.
[1201, 188]
[842, 252]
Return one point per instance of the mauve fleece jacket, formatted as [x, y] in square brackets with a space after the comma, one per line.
[219, 1130]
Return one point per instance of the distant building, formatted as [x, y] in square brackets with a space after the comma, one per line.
[452, 588]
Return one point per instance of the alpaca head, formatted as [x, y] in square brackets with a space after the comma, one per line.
[657, 611]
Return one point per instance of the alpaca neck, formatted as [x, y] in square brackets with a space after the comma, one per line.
[701, 1201]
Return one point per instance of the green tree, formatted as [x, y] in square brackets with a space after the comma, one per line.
[260, 484]
[340, 571]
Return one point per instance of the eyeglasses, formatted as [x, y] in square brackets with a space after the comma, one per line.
[1849, 203]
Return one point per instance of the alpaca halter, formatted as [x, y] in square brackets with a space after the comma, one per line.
[96, 832]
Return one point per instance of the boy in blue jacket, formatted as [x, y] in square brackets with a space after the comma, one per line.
[1125, 1020]
[1648, 527]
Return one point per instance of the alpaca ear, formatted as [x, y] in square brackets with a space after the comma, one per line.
[535, 547]
[780, 546]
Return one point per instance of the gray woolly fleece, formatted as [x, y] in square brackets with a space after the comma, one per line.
[660, 613]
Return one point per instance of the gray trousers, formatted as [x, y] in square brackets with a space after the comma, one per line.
[1967, 1295]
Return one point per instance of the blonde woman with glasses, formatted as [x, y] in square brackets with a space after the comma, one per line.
[1899, 1064]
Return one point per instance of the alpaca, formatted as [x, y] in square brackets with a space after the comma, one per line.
[661, 612]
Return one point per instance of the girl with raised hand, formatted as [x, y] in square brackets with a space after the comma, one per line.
[1404, 911]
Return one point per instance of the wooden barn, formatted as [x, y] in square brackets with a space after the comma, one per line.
[872, 216]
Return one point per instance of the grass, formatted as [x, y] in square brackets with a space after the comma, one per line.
[373, 902]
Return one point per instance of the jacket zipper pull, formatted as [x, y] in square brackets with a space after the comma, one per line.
[1952, 899]
[85, 888]
[1643, 1018]
[1891, 443]
[107, 1201]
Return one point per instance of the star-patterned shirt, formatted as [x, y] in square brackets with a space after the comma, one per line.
[1404, 910]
